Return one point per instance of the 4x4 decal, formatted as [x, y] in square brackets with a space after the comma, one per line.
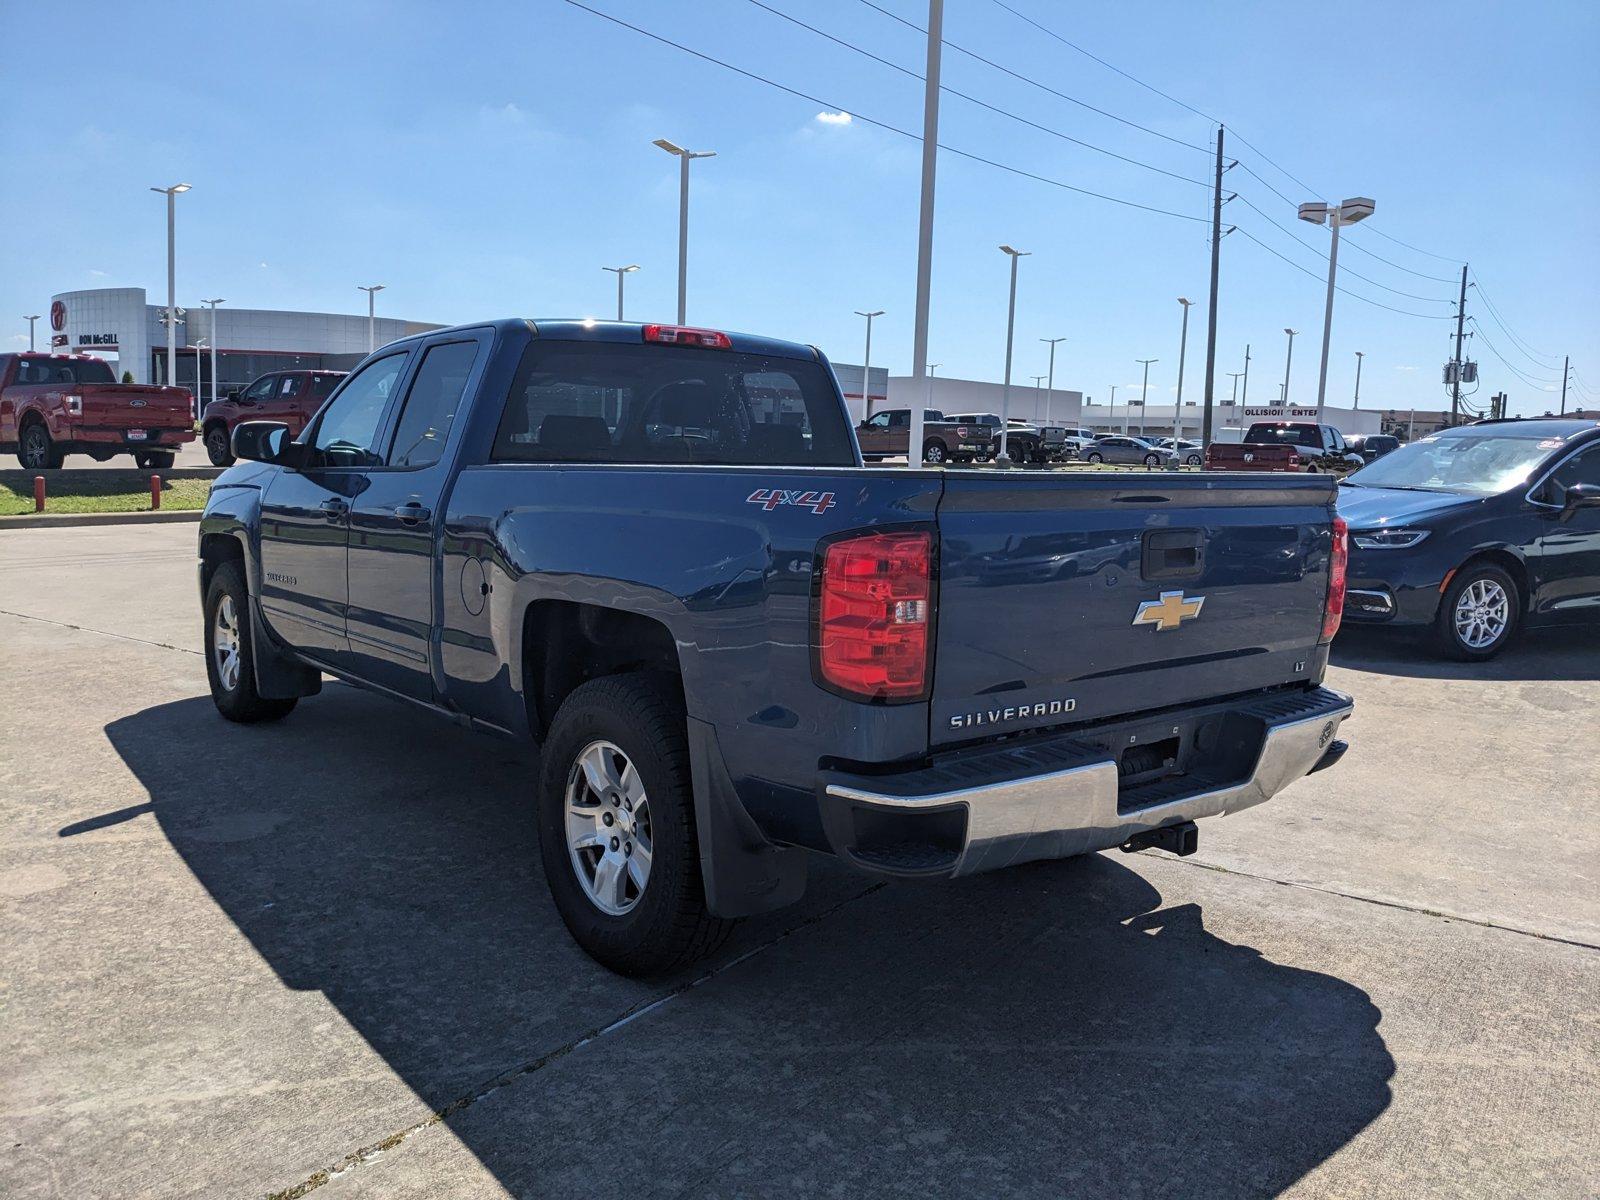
[771, 498]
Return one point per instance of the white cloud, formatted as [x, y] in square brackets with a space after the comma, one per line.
[263, 266]
[834, 118]
[1405, 368]
[508, 113]
[20, 339]
[98, 274]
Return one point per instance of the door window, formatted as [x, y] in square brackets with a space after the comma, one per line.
[431, 404]
[1583, 467]
[260, 389]
[347, 435]
[878, 421]
[292, 386]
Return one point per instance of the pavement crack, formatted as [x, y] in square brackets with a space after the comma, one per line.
[6, 612]
[505, 1079]
[1381, 903]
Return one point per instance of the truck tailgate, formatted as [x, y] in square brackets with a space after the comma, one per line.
[134, 406]
[1070, 598]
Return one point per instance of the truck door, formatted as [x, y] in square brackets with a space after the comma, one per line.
[305, 521]
[392, 556]
[873, 434]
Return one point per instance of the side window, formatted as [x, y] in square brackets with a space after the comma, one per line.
[346, 434]
[291, 386]
[431, 404]
[879, 421]
[261, 389]
[899, 420]
[1583, 467]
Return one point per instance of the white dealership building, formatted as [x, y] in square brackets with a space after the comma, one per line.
[121, 326]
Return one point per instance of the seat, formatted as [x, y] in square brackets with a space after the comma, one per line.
[564, 433]
[779, 445]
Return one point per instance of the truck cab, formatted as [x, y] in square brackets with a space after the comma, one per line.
[291, 397]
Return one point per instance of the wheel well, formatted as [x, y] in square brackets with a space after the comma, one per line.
[216, 549]
[214, 423]
[565, 644]
[32, 417]
[1507, 562]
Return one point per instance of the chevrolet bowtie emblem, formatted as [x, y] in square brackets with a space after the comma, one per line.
[1172, 610]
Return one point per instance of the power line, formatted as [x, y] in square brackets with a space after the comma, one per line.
[994, 108]
[1420, 275]
[1520, 344]
[1044, 87]
[1533, 383]
[884, 125]
[1409, 246]
[1337, 288]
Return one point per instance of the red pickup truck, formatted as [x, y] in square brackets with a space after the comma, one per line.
[53, 405]
[1285, 446]
[292, 397]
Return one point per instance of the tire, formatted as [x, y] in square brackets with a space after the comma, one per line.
[217, 448]
[155, 460]
[233, 679]
[1094, 456]
[1152, 460]
[654, 923]
[1193, 460]
[933, 451]
[36, 450]
[1484, 589]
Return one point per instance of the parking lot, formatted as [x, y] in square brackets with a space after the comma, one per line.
[318, 957]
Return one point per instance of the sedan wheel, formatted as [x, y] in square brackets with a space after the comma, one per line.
[1478, 613]
[1482, 614]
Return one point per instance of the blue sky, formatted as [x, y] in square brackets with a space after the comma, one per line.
[488, 159]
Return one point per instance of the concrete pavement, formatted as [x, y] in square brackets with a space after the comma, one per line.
[318, 957]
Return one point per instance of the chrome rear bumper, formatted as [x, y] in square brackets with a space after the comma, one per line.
[1073, 800]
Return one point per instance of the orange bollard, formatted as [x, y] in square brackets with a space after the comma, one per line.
[38, 493]
[155, 492]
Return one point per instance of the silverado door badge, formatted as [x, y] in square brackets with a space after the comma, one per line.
[1172, 610]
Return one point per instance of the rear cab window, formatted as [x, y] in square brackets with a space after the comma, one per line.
[607, 402]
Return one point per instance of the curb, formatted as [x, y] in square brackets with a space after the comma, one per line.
[22, 481]
[71, 520]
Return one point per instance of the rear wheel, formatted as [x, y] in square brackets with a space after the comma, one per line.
[1094, 456]
[217, 448]
[155, 460]
[230, 651]
[616, 828]
[1152, 460]
[36, 451]
[933, 451]
[1478, 614]
[1193, 460]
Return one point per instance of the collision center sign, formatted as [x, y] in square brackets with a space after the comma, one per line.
[1281, 413]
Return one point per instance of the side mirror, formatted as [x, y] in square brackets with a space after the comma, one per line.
[231, 394]
[1580, 495]
[265, 441]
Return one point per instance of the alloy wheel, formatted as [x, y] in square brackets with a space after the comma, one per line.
[1482, 613]
[225, 643]
[608, 828]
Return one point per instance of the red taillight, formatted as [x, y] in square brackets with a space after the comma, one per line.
[1338, 564]
[961, 431]
[872, 619]
[682, 335]
[1294, 459]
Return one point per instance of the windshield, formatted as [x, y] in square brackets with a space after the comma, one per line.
[1476, 464]
[1283, 435]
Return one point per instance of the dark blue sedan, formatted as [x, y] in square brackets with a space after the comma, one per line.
[1476, 531]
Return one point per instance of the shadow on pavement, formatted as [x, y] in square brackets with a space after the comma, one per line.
[1570, 652]
[1052, 1030]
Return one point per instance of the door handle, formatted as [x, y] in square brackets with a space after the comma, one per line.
[412, 513]
[334, 507]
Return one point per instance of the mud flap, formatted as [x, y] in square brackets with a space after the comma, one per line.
[744, 873]
[278, 677]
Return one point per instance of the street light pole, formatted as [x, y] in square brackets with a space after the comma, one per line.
[1245, 399]
[866, 366]
[932, 367]
[1287, 362]
[30, 321]
[212, 304]
[685, 157]
[1003, 459]
[1234, 375]
[1038, 381]
[372, 320]
[1112, 420]
[1357, 208]
[1144, 391]
[1183, 346]
[1050, 388]
[172, 193]
[199, 382]
[1359, 357]
[621, 273]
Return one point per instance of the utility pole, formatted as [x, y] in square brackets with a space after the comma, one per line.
[1211, 315]
[1461, 322]
[930, 164]
[1245, 399]
[1288, 361]
[1566, 369]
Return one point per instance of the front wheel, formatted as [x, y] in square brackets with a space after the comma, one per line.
[217, 448]
[933, 452]
[1478, 614]
[1152, 460]
[155, 460]
[616, 828]
[1094, 456]
[230, 651]
[1193, 460]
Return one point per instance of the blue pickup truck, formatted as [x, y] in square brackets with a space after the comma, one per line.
[656, 552]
